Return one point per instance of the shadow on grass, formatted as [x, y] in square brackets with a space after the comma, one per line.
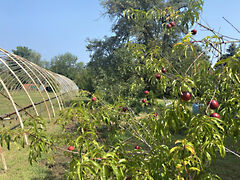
[55, 173]
[49, 176]
[228, 168]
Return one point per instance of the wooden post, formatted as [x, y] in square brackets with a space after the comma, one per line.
[3, 160]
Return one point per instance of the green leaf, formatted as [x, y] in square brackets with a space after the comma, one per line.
[222, 62]
[92, 170]
[194, 169]
[109, 154]
[95, 164]
[237, 79]
[79, 171]
[116, 172]
[222, 150]
[122, 161]
[104, 173]
[175, 148]
[190, 148]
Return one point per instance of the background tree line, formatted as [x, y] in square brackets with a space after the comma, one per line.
[113, 66]
[66, 64]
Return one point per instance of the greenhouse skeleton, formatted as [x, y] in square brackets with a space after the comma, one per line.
[19, 76]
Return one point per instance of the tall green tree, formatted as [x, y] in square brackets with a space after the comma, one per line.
[84, 79]
[145, 30]
[141, 25]
[28, 54]
[232, 50]
[45, 64]
[65, 64]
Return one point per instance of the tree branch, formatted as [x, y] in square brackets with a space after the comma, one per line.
[228, 150]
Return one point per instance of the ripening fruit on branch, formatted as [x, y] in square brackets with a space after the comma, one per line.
[158, 76]
[124, 109]
[194, 31]
[164, 70]
[169, 26]
[213, 104]
[172, 23]
[144, 100]
[155, 114]
[216, 115]
[186, 96]
[146, 92]
[94, 98]
[137, 147]
[70, 148]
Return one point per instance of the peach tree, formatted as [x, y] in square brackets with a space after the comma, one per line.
[161, 138]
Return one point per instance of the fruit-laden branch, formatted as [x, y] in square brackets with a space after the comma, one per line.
[135, 128]
[215, 90]
[77, 150]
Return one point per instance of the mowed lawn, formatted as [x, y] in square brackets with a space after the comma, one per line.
[17, 157]
[21, 99]
[19, 167]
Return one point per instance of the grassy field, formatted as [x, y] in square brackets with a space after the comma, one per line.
[19, 167]
[228, 168]
[17, 158]
[21, 99]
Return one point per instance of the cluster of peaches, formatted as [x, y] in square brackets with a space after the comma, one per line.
[172, 24]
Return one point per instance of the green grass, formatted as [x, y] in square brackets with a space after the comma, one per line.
[16, 158]
[22, 100]
[19, 167]
[162, 102]
[228, 168]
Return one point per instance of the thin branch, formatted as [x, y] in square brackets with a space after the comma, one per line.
[228, 150]
[231, 24]
[214, 32]
[195, 61]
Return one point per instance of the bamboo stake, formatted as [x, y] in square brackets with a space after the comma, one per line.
[15, 108]
[3, 160]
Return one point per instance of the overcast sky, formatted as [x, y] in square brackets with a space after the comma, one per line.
[53, 27]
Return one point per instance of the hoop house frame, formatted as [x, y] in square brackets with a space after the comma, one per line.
[21, 77]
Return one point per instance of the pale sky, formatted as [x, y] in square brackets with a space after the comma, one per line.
[53, 27]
